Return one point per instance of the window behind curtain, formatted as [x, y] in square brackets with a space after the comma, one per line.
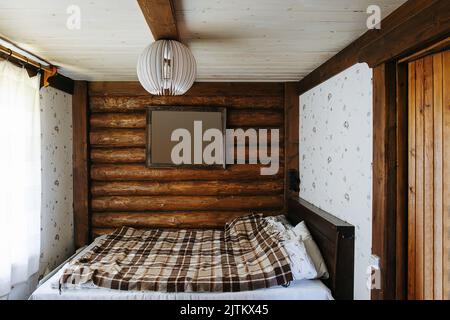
[20, 176]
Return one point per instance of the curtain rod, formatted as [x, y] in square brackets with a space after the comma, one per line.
[11, 53]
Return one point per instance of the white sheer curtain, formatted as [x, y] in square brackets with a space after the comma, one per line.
[20, 176]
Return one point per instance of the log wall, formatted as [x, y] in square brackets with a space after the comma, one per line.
[123, 191]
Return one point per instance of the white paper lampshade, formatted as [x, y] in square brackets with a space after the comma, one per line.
[167, 67]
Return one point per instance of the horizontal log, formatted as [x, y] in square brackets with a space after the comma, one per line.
[236, 119]
[119, 120]
[127, 172]
[252, 155]
[97, 232]
[254, 118]
[186, 188]
[137, 138]
[200, 203]
[118, 155]
[179, 220]
[269, 136]
[137, 155]
[206, 89]
[118, 138]
[127, 104]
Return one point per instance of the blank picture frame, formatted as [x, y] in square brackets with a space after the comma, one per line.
[161, 123]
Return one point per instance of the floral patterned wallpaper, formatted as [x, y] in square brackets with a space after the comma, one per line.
[57, 233]
[336, 157]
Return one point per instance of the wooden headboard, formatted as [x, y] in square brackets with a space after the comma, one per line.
[335, 239]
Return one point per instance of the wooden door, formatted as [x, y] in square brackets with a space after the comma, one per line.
[429, 177]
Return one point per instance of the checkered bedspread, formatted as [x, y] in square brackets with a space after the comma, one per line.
[245, 256]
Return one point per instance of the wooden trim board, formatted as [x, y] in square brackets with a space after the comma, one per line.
[81, 183]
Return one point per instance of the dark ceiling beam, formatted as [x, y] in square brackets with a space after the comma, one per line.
[423, 29]
[413, 25]
[62, 83]
[160, 17]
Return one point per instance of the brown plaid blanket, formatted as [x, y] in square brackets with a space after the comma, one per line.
[245, 256]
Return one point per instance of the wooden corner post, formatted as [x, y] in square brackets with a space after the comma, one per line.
[80, 114]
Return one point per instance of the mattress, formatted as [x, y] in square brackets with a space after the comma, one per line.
[298, 290]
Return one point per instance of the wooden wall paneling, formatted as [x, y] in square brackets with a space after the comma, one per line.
[80, 116]
[438, 175]
[428, 179]
[419, 181]
[446, 174]
[412, 181]
[402, 183]
[125, 191]
[384, 177]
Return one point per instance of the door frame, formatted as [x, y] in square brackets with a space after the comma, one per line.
[390, 172]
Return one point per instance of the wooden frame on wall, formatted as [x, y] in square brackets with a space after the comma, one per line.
[388, 218]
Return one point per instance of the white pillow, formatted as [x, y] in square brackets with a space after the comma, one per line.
[312, 249]
[302, 266]
[275, 224]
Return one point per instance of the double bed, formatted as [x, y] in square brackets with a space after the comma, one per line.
[298, 290]
[333, 237]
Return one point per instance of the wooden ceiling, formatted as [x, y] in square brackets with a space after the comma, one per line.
[232, 40]
[113, 33]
